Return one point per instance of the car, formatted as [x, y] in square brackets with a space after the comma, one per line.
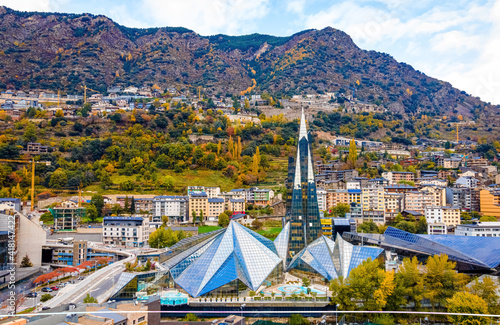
[81, 278]
[45, 308]
[54, 288]
[31, 295]
[46, 289]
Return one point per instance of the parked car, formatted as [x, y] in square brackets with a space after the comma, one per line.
[31, 295]
[54, 288]
[46, 289]
[45, 308]
[81, 278]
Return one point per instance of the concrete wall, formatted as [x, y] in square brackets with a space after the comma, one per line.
[30, 239]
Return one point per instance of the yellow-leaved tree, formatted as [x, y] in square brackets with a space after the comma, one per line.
[467, 303]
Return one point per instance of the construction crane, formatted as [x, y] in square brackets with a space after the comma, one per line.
[457, 133]
[85, 92]
[32, 162]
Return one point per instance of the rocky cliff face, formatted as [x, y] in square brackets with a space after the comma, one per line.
[63, 51]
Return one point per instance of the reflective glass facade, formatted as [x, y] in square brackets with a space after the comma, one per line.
[237, 253]
[332, 259]
[302, 202]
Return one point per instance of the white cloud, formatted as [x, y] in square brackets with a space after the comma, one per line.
[296, 6]
[438, 41]
[208, 17]
[29, 5]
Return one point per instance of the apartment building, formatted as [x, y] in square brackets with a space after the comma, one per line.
[126, 231]
[198, 203]
[479, 229]
[236, 205]
[450, 216]
[67, 216]
[396, 177]
[321, 195]
[262, 196]
[215, 208]
[417, 201]
[490, 202]
[373, 198]
[176, 208]
[449, 163]
[393, 204]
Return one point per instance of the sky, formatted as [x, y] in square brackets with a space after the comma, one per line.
[453, 40]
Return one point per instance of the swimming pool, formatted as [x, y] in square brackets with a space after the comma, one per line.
[289, 289]
[173, 298]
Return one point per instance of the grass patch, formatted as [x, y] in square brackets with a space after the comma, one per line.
[205, 229]
[27, 311]
[270, 233]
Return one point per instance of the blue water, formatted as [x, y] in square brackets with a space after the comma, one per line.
[289, 289]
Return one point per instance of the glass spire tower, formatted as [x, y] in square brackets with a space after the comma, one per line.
[302, 203]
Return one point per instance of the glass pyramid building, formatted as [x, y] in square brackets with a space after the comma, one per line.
[238, 253]
[302, 202]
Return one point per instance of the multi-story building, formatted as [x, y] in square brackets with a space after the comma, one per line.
[417, 201]
[73, 254]
[13, 203]
[343, 175]
[235, 205]
[337, 226]
[393, 204]
[198, 203]
[450, 216]
[176, 208]
[215, 208]
[126, 231]
[377, 217]
[211, 192]
[423, 181]
[240, 194]
[28, 237]
[400, 188]
[479, 229]
[490, 202]
[396, 177]
[449, 163]
[262, 196]
[476, 162]
[144, 204]
[467, 181]
[321, 193]
[437, 229]
[373, 198]
[67, 216]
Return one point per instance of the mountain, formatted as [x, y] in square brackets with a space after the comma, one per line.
[60, 51]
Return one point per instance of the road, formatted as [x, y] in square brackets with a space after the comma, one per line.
[98, 280]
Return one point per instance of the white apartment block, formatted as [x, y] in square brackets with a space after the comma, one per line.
[479, 229]
[450, 216]
[126, 231]
[321, 194]
[174, 207]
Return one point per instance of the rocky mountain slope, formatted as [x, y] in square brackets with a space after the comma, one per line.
[63, 51]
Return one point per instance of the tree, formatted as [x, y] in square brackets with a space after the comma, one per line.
[409, 287]
[487, 290]
[306, 282]
[126, 203]
[441, 280]
[256, 162]
[132, 205]
[98, 201]
[89, 299]
[488, 219]
[407, 226]
[239, 147]
[58, 179]
[340, 210]
[193, 215]
[422, 225]
[297, 319]
[30, 133]
[26, 262]
[257, 224]
[91, 213]
[190, 318]
[251, 293]
[467, 303]
[353, 153]
[223, 220]
[46, 297]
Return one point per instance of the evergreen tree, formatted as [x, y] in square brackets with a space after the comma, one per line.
[26, 262]
[132, 205]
